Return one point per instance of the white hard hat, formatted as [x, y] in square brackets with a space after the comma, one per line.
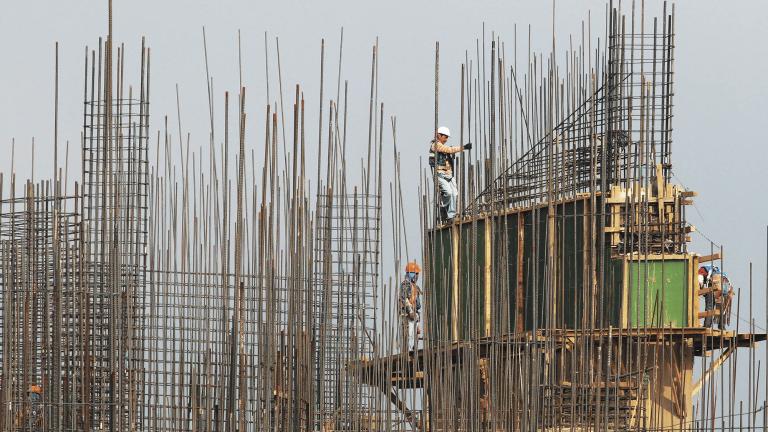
[444, 131]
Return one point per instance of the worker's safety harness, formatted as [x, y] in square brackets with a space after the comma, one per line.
[437, 159]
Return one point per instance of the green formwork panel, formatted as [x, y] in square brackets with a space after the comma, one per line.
[440, 289]
[570, 247]
[512, 243]
[472, 280]
[658, 293]
[534, 271]
[499, 283]
[611, 294]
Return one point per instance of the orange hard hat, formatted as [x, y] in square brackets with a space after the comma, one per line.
[35, 389]
[412, 267]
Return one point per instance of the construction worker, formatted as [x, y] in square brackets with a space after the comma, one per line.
[441, 158]
[720, 291]
[410, 305]
[31, 418]
[704, 277]
[723, 298]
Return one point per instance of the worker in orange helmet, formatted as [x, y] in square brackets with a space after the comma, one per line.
[31, 416]
[410, 306]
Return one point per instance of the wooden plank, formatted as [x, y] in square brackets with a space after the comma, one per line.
[620, 385]
[712, 369]
[693, 301]
[705, 291]
[657, 257]
[519, 289]
[514, 210]
[487, 280]
[707, 258]
[709, 313]
[551, 259]
[660, 192]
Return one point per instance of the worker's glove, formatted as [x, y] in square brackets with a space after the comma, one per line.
[468, 146]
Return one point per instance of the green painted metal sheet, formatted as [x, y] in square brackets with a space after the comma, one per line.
[511, 257]
[658, 293]
[612, 292]
[534, 266]
[570, 256]
[439, 290]
[472, 280]
[525, 308]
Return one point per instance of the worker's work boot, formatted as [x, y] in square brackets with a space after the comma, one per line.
[442, 214]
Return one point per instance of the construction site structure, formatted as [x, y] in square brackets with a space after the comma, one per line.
[163, 291]
[239, 284]
[564, 296]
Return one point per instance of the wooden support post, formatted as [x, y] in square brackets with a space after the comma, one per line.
[552, 263]
[712, 369]
[625, 304]
[693, 285]
[487, 280]
[455, 239]
[407, 413]
[660, 193]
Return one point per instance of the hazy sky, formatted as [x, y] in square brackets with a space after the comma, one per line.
[719, 104]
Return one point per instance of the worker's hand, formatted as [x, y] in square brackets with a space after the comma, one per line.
[468, 146]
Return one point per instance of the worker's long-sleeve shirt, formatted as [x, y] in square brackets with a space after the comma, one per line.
[443, 164]
[410, 301]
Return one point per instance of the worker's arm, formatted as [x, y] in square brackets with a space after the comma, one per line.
[442, 148]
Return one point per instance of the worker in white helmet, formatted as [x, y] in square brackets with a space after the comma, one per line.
[441, 158]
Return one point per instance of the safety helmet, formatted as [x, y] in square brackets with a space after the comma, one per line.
[444, 131]
[412, 267]
[35, 389]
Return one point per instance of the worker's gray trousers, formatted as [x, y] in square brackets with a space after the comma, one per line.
[410, 331]
[449, 194]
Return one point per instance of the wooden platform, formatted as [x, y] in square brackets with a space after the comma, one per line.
[406, 370]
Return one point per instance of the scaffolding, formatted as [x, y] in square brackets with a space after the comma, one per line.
[347, 262]
[225, 290]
